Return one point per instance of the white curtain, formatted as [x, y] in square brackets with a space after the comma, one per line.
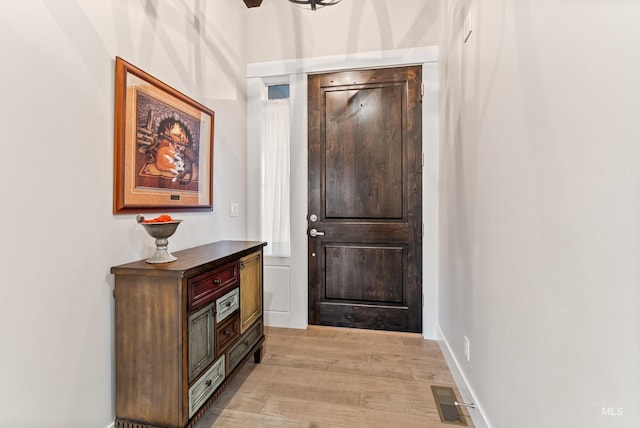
[275, 177]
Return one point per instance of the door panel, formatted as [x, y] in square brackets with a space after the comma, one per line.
[201, 340]
[350, 276]
[365, 268]
[357, 185]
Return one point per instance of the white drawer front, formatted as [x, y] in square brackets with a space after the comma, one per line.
[227, 304]
[202, 389]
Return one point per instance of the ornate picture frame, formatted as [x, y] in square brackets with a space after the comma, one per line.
[163, 146]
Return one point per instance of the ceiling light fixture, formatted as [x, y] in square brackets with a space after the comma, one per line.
[252, 3]
[315, 4]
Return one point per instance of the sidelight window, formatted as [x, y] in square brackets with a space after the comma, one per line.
[275, 172]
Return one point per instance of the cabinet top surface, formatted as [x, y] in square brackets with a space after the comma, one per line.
[216, 253]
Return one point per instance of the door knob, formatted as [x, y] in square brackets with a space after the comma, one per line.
[313, 233]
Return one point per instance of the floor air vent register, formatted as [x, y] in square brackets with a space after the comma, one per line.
[446, 403]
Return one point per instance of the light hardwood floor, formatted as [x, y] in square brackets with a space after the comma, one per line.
[321, 378]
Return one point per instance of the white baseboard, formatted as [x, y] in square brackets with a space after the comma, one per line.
[477, 415]
[111, 425]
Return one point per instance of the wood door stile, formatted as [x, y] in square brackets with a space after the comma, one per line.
[153, 334]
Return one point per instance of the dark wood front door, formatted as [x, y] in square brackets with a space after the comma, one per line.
[365, 199]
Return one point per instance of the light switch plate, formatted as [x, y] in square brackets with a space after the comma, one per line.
[234, 209]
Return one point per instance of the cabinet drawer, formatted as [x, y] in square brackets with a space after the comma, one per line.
[201, 330]
[205, 287]
[227, 304]
[202, 389]
[227, 332]
[240, 349]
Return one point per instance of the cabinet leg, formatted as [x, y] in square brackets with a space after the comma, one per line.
[257, 356]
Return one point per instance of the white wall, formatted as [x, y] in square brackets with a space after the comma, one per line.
[279, 30]
[540, 201]
[60, 237]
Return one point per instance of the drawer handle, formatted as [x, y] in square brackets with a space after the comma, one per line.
[228, 305]
[227, 332]
[208, 383]
[246, 343]
[217, 281]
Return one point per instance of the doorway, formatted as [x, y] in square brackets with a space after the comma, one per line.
[365, 199]
[286, 280]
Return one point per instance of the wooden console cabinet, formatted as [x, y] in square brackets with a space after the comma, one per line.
[183, 330]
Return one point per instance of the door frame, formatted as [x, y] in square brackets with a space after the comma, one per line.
[291, 292]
